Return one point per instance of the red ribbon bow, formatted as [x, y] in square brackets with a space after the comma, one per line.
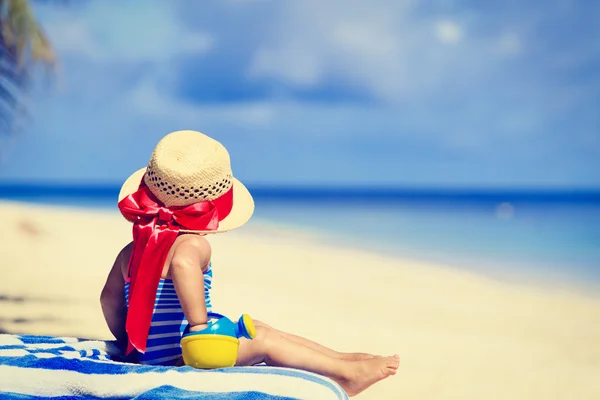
[155, 228]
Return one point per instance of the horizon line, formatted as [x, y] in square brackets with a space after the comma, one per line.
[333, 193]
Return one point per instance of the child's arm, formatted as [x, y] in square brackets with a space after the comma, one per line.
[190, 259]
[112, 298]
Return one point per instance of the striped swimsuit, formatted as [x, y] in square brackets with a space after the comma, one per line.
[168, 323]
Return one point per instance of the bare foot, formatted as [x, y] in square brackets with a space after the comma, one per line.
[356, 356]
[365, 373]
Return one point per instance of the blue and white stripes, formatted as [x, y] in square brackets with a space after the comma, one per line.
[44, 367]
[168, 323]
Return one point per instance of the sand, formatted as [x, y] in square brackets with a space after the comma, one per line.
[459, 336]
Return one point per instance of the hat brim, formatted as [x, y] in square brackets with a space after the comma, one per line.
[242, 210]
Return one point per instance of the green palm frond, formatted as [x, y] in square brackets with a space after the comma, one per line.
[23, 46]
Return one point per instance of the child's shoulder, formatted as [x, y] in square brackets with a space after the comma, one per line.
[192, 247]
[193, 241]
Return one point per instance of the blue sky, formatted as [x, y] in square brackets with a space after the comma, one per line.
[450, 93]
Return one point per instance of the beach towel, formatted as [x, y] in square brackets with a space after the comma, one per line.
[43, 367]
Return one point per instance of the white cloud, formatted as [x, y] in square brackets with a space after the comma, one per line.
[448, 32]
[388, 49]
[364, 41]
[102, 32]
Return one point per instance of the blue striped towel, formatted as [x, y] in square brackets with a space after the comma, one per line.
[43, 367]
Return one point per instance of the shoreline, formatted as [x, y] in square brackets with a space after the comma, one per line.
[533, 279]
[528, 277]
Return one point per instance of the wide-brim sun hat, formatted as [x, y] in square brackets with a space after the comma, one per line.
[188, 167]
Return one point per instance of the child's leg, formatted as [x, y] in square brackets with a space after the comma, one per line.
[316, 346]
[354, 376]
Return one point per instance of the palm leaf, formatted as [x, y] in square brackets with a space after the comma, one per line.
[23, 46]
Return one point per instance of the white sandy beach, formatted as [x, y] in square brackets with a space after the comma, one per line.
[459, 336]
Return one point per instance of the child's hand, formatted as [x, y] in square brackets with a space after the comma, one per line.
[198, 327]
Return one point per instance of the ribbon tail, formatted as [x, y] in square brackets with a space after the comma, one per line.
[143, 296]
[141, 235]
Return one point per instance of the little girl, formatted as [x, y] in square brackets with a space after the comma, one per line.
[160, 283]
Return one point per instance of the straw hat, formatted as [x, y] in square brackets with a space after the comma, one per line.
[187, 167]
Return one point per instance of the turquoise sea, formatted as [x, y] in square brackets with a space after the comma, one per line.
[551, 243]
[552, 240]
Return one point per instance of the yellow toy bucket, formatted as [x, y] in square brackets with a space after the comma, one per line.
[209, 351]
[217, 345]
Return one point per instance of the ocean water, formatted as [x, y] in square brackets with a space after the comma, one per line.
[552, 243]
[540, 241]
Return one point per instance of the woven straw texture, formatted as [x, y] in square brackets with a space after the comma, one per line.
[187, 167]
